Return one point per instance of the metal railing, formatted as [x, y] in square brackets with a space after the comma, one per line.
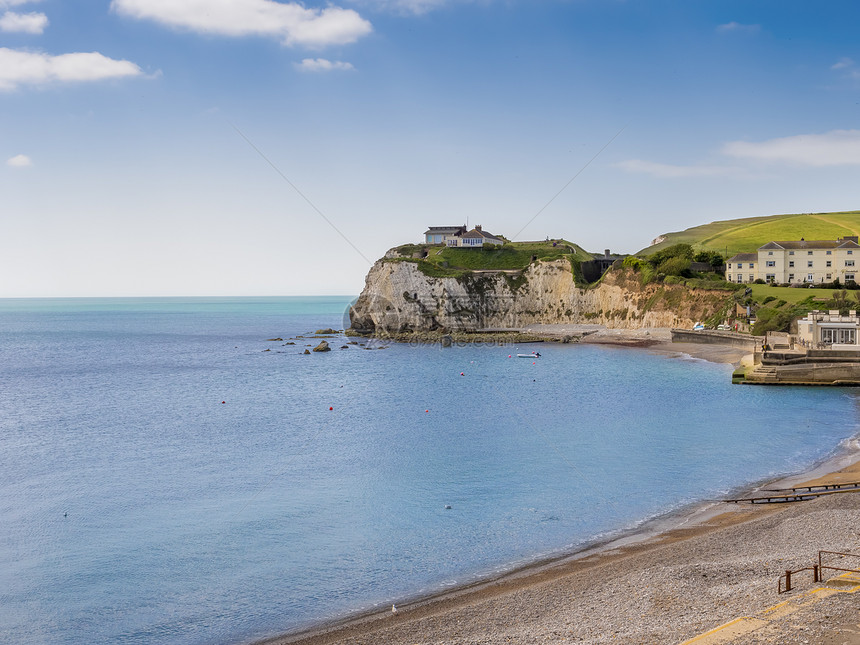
[816, 577]
[817, 570]
[822, 566]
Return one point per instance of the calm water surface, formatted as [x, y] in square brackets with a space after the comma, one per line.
[136, 507]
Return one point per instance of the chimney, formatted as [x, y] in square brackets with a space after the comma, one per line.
[478, 227]
[606, 253]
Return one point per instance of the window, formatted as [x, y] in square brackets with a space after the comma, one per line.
[729, 266]
[770, 252]
[841, 336]
[809, 277]
[849, 276]
[770, 278]
[752, 277]
[809, 253]
[791, 277]
[849, 263]
[771, 263]
[740, 278]
[850, 252]
[829, 277]
[809, 263]
[729, 277]
[830, 253]
[752, 266]
[791, 263]
[829, 263]
[791, 252]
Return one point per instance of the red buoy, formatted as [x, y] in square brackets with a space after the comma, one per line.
[330, 408]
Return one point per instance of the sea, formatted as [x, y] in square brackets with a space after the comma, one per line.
[180, 471]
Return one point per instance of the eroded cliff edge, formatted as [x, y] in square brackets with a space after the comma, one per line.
[399, 298]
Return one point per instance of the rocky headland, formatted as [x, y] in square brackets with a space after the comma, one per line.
[401, 298]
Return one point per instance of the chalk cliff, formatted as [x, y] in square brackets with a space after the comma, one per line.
[399, 298]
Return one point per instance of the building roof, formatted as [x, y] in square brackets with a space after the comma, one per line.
[744, 257]
[843, 243]
[444, 230]
[479, 232]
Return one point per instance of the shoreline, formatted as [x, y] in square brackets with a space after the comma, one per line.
[439, 617]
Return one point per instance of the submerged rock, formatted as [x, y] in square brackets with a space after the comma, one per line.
[327, 330]
[322, 347]
[273, 339]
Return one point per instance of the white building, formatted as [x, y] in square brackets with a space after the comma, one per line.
[442, 234]
[798, 262]
[821, 330]
[475, 238]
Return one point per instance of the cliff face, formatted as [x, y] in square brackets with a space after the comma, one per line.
[399, 298]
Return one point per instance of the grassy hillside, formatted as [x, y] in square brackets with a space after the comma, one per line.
[515, 255]
[746, 235]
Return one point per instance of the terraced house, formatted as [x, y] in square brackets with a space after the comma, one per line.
[813, 261]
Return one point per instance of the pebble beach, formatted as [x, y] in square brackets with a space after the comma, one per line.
[670, 582]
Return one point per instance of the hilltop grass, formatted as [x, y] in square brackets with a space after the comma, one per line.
[748, 234]
[453, 262]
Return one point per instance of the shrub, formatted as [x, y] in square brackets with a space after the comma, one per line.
[771, 320]
[631, 262]
[674, 251]
[714, 258]
[678, 265]
[769, 299]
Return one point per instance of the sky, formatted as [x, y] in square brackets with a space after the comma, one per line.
[262, 147]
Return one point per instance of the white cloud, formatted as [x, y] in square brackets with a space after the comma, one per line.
[27, 23]
[405, 6]
[19, 68]
[738, 28]
[19, 161]
[8, 4]
[846, 65]
[291, 22]
[835, 148]
[322, 65]
[668, 171]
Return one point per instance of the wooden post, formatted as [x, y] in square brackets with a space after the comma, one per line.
[787, 580]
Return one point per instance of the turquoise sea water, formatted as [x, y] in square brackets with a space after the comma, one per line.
[136, 507]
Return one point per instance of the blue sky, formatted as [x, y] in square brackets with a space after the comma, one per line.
[254, 147]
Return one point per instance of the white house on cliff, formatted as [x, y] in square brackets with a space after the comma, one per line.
[459, 237]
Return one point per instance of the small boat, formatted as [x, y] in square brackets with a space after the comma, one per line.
[532, 355]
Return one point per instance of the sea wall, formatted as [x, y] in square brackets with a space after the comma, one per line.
[711, 337]
[399, 297]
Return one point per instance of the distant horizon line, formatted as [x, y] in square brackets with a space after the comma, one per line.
[177, 297]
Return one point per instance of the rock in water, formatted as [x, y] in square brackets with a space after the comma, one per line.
[307, 351]
[322, 347]
[328, 330]
[447, 341]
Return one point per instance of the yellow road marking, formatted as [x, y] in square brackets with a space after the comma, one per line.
[741, 626]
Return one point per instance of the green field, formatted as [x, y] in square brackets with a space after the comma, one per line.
[746, 235]
[790, 295]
